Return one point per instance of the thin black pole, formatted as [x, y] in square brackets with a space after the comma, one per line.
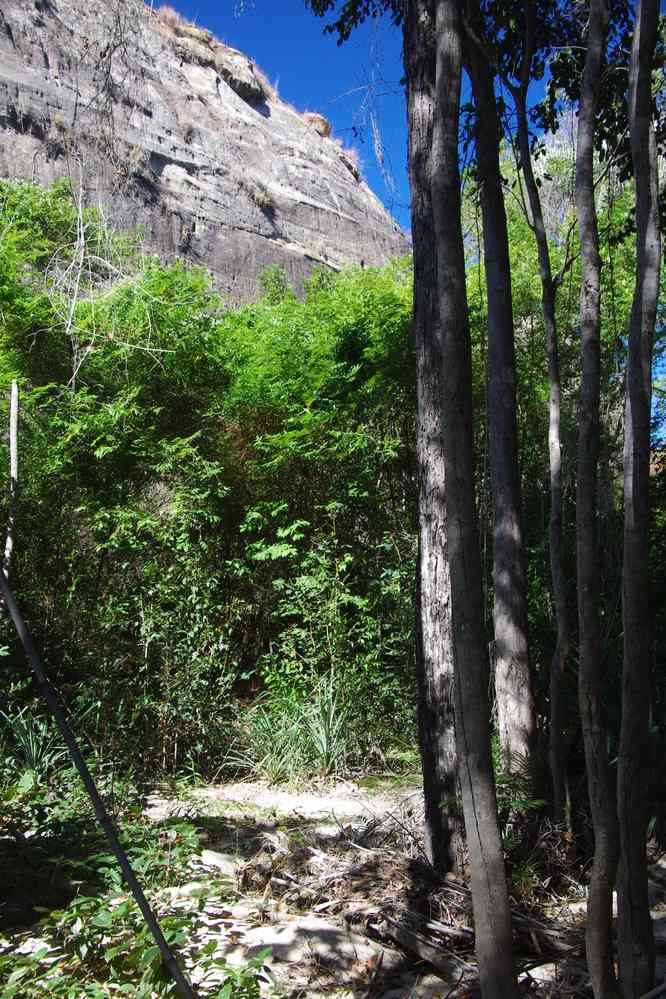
[184, 988]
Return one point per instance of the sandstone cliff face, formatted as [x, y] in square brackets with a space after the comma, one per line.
[167, 128]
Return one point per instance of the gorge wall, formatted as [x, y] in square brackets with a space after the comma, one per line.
[167, 128]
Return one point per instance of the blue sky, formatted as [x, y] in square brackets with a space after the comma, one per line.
[350, 84]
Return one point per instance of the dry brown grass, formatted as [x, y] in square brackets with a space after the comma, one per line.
[320, 124]
[394, 898]
[192, 31]
[170, 18]
[168, 15]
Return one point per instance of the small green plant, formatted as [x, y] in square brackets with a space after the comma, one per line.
[515, 788]
[272, 742]
[524, 879]
[37, 745]
[101, 947]
[287, 738]
[241, 982]
[326, 728]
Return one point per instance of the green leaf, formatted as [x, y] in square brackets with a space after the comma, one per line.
[149, 956]
[103, 918]
[28, 781]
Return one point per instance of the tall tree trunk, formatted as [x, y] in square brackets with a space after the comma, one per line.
[591, 675]
[513, 680]
[488, 881]
[557, 746]
[635, 936]
[434, 653]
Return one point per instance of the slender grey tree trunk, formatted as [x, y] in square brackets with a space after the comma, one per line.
[513, 680]
[591, 671]
[635, 936]
[10, 538]
[557, 743]
[492, 917]
[434, 652]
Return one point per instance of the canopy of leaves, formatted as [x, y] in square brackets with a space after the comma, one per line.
[349, 14]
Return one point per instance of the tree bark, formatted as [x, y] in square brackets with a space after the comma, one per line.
[513, 680]
[591, 675]
[488, 881]
[434, 652]
[635, 936]
[557, 743]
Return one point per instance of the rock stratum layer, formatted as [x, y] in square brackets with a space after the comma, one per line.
[167, 128]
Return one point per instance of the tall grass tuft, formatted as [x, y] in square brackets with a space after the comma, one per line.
[327, 728]
[285, 739]
[35, 744]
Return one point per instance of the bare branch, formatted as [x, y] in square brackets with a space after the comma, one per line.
[569, 257]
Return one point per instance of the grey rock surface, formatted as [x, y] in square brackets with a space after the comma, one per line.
[225, 863]
[167, 128]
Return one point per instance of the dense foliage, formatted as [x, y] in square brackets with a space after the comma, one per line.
[216, 502]
[216, 531]
[212, 501]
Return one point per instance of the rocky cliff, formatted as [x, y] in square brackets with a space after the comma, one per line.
[170, 129]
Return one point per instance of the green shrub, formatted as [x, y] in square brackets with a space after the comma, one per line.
[285, 738]
[198, 501]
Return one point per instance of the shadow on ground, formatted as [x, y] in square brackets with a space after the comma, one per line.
[45, 872]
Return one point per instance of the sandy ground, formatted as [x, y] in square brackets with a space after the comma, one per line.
[330, 806]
